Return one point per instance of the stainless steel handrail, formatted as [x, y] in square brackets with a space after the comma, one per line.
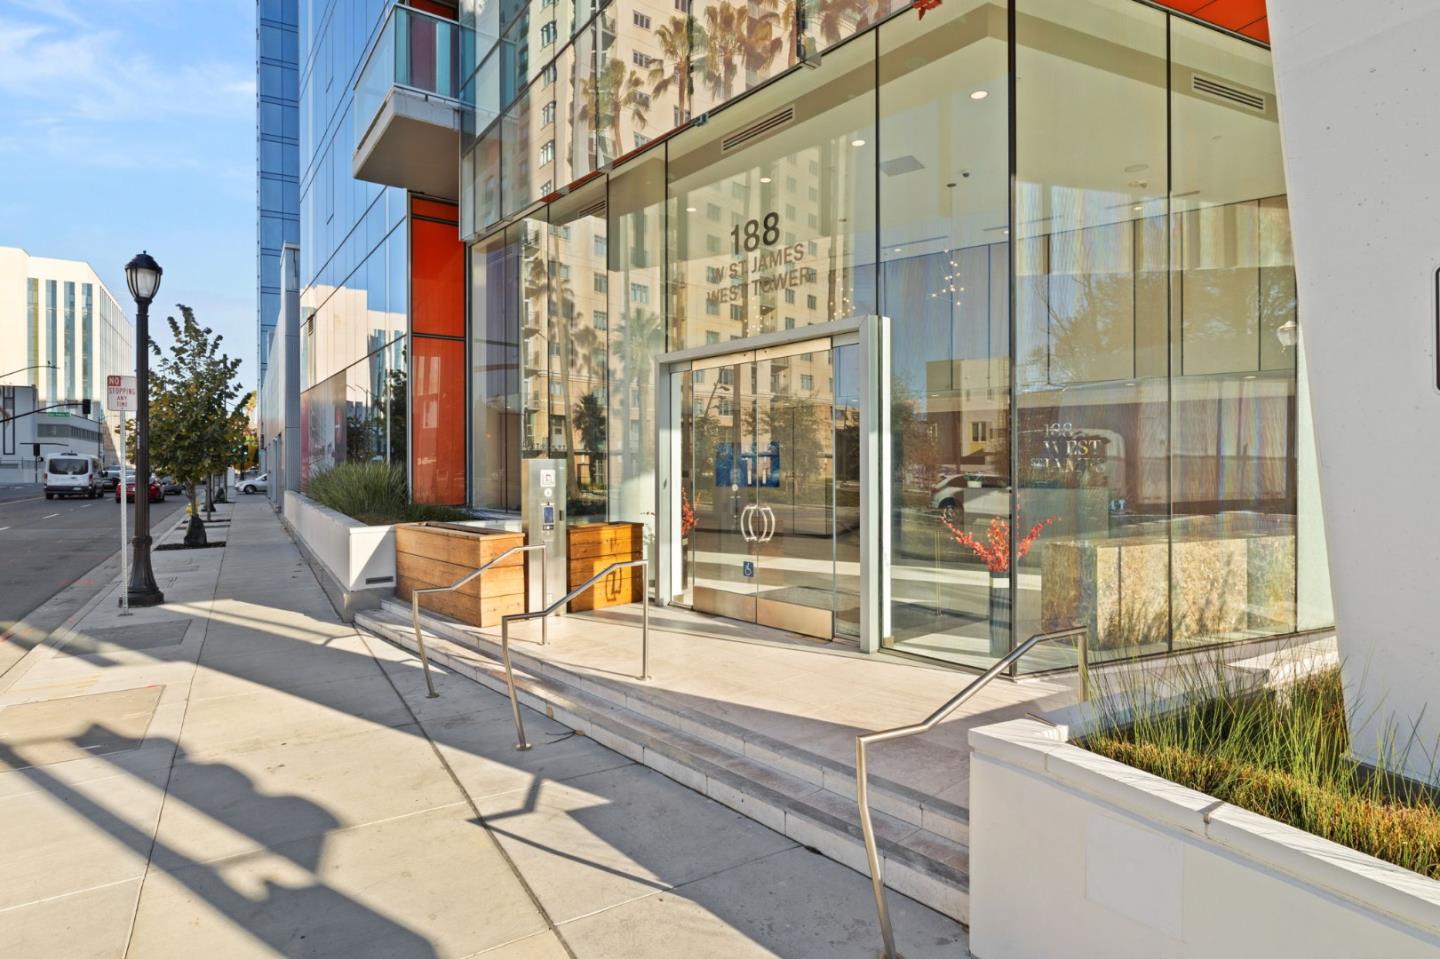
[862, 777]
[541, 614]
[415, 605]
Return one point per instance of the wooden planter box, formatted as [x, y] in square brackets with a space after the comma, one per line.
[594, 546]
[437, 554]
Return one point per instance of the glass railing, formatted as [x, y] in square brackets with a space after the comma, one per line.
[416, 51]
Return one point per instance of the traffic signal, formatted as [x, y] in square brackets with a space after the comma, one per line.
[85, 407]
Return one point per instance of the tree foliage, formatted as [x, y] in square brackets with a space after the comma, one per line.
[197, 409]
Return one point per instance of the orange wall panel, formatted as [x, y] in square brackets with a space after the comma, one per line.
[445, 10]
[437, 443]
[1243, 16]
[437, 309]
[437, 275]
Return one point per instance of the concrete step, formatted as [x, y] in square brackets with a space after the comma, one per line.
[915, 861]
[897, 799]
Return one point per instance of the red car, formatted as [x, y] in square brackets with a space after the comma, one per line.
[157, 492]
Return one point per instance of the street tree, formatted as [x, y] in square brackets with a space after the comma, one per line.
[197, 411]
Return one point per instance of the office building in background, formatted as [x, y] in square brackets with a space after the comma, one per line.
[62, 332]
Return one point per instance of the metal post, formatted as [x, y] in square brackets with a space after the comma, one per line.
[645, 624]
[872, 852]
[520, 742]
[143, 590]
[1083, 644]
[420, 643]
[544, 597]
[124, 537]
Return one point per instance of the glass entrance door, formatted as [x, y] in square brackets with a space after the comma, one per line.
[759, 484]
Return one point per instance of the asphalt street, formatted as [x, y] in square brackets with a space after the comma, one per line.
[47, 545]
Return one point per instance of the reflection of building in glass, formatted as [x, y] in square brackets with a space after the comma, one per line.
[675, 235]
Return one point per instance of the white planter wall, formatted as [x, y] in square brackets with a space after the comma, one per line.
[1075, 855]
[359, 557]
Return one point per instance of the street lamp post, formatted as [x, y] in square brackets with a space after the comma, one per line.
[143, 276]
[38, 366]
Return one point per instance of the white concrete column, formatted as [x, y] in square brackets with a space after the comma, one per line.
[1358, 85]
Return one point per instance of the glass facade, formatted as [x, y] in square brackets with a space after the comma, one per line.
[354, 258]
[1073, 213]
[32, 329]
[87, 340]
[277, 160]
[70, 393]
[52, 339]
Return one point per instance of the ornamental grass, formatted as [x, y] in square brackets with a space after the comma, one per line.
[1283, 754]
[374, 494]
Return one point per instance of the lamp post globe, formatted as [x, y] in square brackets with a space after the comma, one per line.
[142, 275]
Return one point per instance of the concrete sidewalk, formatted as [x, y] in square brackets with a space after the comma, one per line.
[238, 773]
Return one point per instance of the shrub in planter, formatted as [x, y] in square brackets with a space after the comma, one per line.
[1283, 754]
[374, 494]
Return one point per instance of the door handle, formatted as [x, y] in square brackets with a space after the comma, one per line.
[747, 529]
[771, 523]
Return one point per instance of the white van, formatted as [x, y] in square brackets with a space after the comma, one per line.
[73, 474]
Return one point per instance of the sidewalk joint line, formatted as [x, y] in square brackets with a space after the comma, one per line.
[470, 801]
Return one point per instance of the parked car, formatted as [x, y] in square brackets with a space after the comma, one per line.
[112, 478]
[157, 492]
[171, 486]
[256, 484]
[73, 474]
[946, 495]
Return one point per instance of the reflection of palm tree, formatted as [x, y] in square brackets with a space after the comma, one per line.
[642, 338]
[604, 98]
[672, 67]
[737, 39]
[836, 19]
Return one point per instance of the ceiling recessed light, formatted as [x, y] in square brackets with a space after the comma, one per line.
[764, 179]
[897, 249]
[1138, 208]
[979, 94]
[857, 143]
[689, 209]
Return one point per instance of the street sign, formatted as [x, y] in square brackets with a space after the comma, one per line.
[119, 392]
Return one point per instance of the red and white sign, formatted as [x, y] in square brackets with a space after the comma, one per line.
[119, 392]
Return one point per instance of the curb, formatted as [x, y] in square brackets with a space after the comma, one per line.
[64, 631]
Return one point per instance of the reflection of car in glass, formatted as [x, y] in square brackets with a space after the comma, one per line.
[157, 492]
[257, 484]
[947, 494]
[71, 474]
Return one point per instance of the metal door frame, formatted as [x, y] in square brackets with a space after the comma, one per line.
[871, 333]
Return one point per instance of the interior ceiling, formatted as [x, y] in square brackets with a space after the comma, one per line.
[1242, 16]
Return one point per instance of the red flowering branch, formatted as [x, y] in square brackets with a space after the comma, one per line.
[923, 7]
[995, 550]
[687, 513]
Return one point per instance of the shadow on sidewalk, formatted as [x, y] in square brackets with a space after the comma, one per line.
[313, 905]
[617, 822]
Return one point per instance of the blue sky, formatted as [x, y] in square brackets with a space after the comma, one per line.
[130, 124]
